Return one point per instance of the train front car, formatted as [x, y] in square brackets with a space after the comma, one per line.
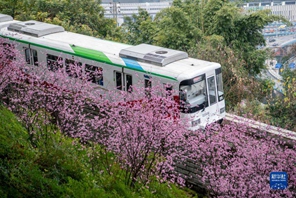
[201, 95]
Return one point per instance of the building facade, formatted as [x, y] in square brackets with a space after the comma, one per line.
[284, 8]
[118, 9]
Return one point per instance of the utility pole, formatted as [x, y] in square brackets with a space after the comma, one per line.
[115, 10]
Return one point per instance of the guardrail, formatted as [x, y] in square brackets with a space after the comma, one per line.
[291, 135]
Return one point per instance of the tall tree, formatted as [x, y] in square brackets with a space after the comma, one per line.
[241, 30]
[11, 7]
[175, 29]
[139, 28]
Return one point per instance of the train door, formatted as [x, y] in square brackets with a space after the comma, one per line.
[123, 80]
[128, 81]
[220, 93]
[31, 55]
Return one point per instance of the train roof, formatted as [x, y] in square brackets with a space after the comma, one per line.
[145, 58]
[159, 56]
[5, 18]
[35, 28]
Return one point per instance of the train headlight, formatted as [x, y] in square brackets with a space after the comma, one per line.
[222, 110]
[195, 122]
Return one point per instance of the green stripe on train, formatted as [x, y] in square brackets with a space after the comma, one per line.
[91, 54]
[83, 54]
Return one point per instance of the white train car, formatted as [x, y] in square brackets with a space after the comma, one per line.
[198, 82]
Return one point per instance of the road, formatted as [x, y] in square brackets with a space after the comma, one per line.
[281, 41]
[272, 73]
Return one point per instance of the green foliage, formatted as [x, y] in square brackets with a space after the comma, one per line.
[172, 28]
[253, 110]
[166, 190]
[283, 109]
[175, 29]
[64, 169]
[266, 87]
[10, 7]
[241, 31]
[84, 188]
[139, 28]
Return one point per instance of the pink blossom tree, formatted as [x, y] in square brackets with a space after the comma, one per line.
[45, 99]
[143, 133]
[9, 66]
[236, 161]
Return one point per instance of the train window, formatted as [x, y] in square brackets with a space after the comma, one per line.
[95, 74]
[212, 90]
[73, 68]
[31, 56]
[118, 80]
[129, 83]
[28, 56]
[54, 62]
[148, 83]
[219, 84]
[148, 86]
[35, 57]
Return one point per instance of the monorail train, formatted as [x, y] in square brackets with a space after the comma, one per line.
[198, 82]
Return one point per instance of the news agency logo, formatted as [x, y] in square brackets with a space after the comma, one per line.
[278, 180]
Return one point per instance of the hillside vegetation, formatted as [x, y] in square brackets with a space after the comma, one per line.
[60, 168]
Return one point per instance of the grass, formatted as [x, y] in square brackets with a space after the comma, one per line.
[63, 169]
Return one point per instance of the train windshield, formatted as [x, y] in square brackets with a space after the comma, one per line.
[193, 94]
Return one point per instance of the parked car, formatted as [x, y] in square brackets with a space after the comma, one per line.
[271, 40]
[275, 44]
